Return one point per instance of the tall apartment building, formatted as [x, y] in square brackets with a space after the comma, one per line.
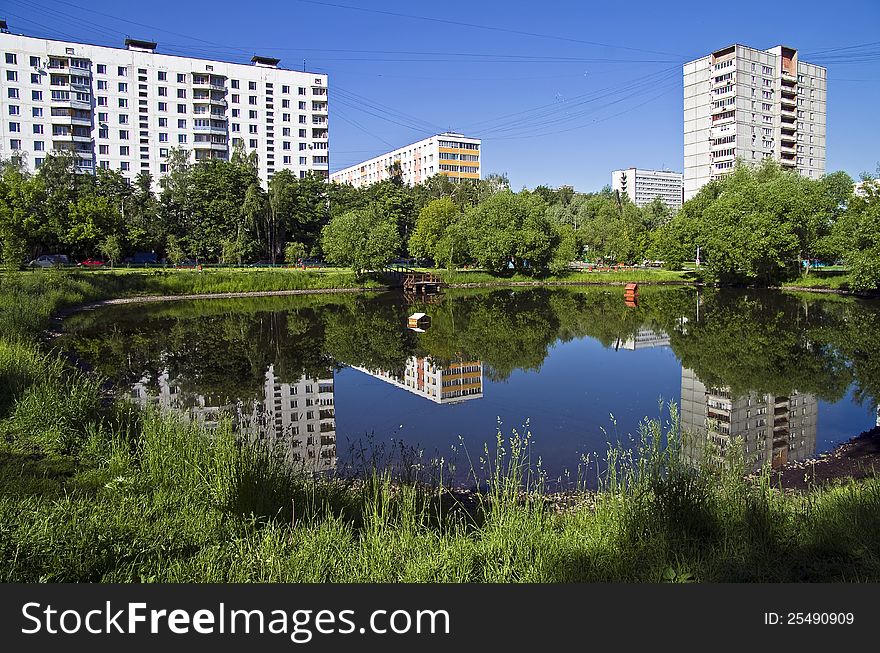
[774, 429]
[740, 102]
[442, 384]
[644, 186]
[449, 154]
[643, 339]
[124, 109]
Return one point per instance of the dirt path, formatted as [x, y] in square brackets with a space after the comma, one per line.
[857, 458]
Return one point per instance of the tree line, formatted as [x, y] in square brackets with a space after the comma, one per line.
[760, 224]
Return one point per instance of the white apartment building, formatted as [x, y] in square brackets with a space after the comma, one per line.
[450, 154]
[124, 109]
[442, 384]
[644, 186]
[743, 103]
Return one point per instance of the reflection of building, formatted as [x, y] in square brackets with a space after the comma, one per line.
[299, 417]
[644, 339]
[774, 429]
[444, 384]
[302, 416]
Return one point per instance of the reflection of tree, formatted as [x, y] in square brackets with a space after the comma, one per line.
[759, 342]
[748, 340]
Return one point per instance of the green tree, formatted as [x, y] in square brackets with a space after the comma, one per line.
[111, 248]
[856, 236]
[430, 237]
[364, 239]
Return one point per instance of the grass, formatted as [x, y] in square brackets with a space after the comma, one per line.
[96, 490]
[822, 279]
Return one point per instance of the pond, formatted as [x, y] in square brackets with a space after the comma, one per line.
[336, 379]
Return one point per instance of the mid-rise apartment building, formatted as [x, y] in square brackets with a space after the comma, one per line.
[450, 154]
[743, 103]
[644, 186]
[125, 109]
[772, 429]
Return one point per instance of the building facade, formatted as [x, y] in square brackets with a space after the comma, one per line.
[771, 429]
[450, 154]
[125, 109]
[743, 103]
[644, 186]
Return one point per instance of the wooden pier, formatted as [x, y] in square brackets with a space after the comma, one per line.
[422, 283]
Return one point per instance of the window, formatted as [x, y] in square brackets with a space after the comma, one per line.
[253, 143]
[39, 146]
[163, 151]
[236, 113]
[302, 146]
[285, 131]
[252, 86]
[181, 108]
[252, 129]
[233, 83]
[181, 123]
[181, 93]
[123, 103]
[102, 69]
[102, 84]
[122, 71]
[236, 127]
[35, 62]
[302, 133]
[181, 138]
[302, 106]
[285, 117]
[123, 87]
[36, 96]
[37, 112]
[123, 134]
[14, 110]
[124, 166]
[103, 149]
[123, 150]
[163, 106]
[103, 132]
[286, 145]
[285, 104]
[15, 144]
[252, 99]
[15, 127]
[287, 160]
[302, 160]
[123, 119]
[302, 120]
[181, 78]
[302, 90]
[38, 129]
[252, 115]
[11, 58]
[235, 97]
[11, 76]
[13, 93]
[162, 76]
[163, 91]
[35, 78]
[163, 137]
[102, 100]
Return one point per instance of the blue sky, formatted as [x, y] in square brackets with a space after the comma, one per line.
[560, 92]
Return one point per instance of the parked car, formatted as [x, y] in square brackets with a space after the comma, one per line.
[49, 260]
[311, 263]
[92, 262]
[264, 263]
[186, 263]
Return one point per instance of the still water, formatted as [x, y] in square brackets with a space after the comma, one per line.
[335, 378]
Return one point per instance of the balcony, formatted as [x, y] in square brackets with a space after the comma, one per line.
[210, 129]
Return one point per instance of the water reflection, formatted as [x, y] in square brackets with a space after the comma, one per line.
[766, 428]
[564, 361]
[298, 418]
[442, 384]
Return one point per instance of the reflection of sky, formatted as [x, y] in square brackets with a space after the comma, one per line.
[567, 403]
[843, 420]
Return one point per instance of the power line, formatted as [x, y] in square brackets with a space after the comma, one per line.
[484, 27]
